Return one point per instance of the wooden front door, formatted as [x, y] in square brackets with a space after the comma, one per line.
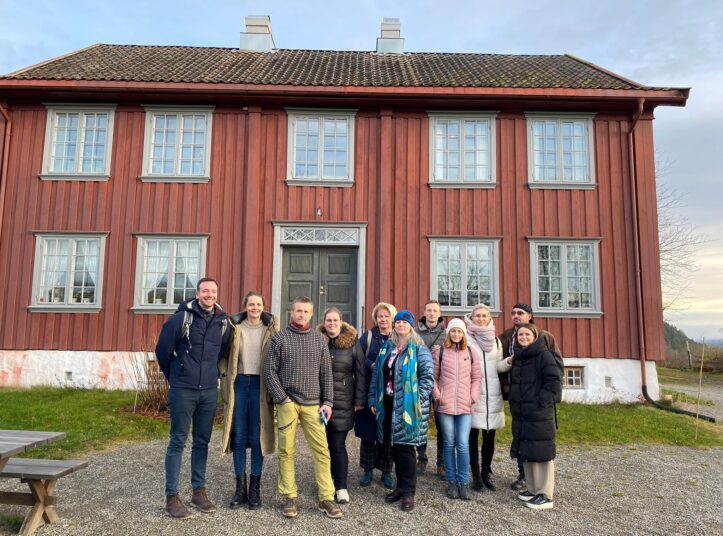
[326, 275]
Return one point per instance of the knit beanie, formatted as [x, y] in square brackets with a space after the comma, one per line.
[405, 315]
[456, 323]
[526, 308]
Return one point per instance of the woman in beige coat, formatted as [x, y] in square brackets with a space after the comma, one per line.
[249, 410]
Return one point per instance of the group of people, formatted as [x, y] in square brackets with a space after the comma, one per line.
[381, 384]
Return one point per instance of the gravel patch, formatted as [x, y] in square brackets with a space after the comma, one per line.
[628, 489]
[711, 390]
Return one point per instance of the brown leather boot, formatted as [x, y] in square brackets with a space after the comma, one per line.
[200, 500]
[175, 507]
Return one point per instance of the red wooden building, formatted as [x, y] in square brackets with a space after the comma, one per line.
[128, 172]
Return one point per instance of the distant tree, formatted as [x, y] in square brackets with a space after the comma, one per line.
[679, 242]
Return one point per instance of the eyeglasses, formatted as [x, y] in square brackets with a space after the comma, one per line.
[519, 313]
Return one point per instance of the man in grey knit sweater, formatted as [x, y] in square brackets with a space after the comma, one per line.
[299, 379]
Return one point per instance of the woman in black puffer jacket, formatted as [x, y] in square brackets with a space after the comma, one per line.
[347, 362]
[534, 385]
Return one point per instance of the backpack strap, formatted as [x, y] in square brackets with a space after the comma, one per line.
[369, 344]
[186, 328]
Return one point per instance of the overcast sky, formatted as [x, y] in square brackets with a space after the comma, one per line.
[675, 43]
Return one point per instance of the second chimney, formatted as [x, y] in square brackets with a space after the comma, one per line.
[257, 36]
[390, 42]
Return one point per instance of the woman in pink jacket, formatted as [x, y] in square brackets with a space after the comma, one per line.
[457, 379]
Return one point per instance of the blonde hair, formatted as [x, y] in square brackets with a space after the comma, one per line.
[383, 305]
[480, 306]
[413, 337]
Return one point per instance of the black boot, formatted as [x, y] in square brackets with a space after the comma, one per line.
[477, 484]
[255, 492]
[241, 495]
[487, 479]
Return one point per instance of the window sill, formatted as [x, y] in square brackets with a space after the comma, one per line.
[567, 314]
[461, 311]
[174, 178]
[328, 183]
[464, 185]
[64, 309]
[74, 177]
[154, 310]
[562, 185]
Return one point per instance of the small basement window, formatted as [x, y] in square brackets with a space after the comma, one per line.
[573, 378]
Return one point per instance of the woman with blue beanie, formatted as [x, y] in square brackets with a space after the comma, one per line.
[399, 394]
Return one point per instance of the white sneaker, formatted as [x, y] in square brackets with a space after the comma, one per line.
[342, 496]
[540, 502]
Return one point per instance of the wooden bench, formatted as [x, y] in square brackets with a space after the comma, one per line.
[42, 477]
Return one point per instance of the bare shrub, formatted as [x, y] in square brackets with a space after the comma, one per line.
[151, 384]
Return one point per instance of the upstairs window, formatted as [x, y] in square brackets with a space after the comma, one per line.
[168, 270]
[177, 144]
[462, 150]
[321, 147]
[560, 151]
[78, 141]
[68, 272]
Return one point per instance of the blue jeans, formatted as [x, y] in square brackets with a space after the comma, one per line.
[247, 423]
[187, 407]
[455, 430]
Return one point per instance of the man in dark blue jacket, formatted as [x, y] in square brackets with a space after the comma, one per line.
[188, 351]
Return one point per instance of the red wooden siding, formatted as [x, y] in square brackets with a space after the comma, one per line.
[248, 191]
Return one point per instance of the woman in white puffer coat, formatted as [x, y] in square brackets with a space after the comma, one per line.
[489, 411]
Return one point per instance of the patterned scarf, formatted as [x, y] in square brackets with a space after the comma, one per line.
[411, 406]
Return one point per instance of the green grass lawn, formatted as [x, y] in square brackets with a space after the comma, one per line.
[95, 420]
[619, 424]
[686, 376]
[92, 419]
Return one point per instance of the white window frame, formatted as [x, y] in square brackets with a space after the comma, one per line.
[147, 174]
[434, 242]
[53, 110]
[593, 312]
[573, 369]
[293, 115]
[491, 180]
[43, 307]
[559, 118]
[138, 305]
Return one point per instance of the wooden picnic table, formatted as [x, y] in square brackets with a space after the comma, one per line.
[40, 475]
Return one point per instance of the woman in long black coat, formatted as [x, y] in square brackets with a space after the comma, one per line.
[347, 364]
[534, 385]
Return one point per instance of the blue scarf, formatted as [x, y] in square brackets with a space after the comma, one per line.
[411, 406]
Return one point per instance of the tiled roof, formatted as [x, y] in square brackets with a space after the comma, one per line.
[322, 68]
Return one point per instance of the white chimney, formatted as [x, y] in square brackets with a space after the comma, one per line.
[390, 42]
[257, 36]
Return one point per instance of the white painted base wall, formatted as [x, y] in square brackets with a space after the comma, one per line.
[91, 370]
[611, 380]
[119, 370]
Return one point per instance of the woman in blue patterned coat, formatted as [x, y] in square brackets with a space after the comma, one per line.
[399, 394]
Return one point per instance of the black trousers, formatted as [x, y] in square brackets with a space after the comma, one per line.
[422, 449]
[487, 450]
[405, 464]
[339, 457]
[374, 455]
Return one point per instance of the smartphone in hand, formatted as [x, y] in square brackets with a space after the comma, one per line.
[324, 418]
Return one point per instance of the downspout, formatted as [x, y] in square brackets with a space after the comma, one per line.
[639, 275]
[5, 163]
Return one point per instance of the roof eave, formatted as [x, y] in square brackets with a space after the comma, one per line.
[653, 96]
